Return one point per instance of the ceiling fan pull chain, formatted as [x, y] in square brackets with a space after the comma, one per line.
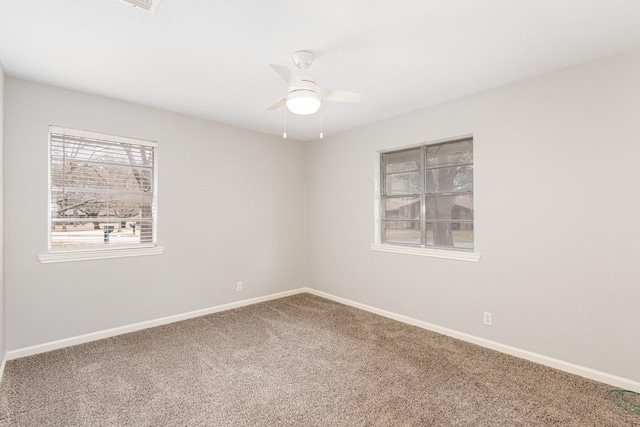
[284, 115]
[321, 134]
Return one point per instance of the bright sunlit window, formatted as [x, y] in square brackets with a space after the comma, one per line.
[101, 191]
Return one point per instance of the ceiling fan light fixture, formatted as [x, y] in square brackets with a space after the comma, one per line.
[303, 102]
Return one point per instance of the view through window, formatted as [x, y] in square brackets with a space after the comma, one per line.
[427, 196]
[102, 191]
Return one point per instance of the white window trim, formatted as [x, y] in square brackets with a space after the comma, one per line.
[377, 244]
[56, 256]
[430, 252]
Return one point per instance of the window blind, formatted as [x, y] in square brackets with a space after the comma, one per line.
[102, 190]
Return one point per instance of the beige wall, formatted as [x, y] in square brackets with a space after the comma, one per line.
[556, 202]
[230, 208]
[2, 263]
[556, 180]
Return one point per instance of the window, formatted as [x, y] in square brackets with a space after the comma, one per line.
[426, 196]
[101, 193]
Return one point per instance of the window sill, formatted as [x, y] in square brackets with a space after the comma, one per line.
[435, 253]
[104, 254]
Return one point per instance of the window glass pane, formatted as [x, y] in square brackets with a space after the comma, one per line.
[458, 208]
[402, 183]
[452, 153]
[450, 234]
[82, 234]
[449, 179]
[402, 232]
[402, 161]
[441, 177]
[101, 190]
[402, 208]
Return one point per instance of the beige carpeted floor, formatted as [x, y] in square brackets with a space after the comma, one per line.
[296, 361]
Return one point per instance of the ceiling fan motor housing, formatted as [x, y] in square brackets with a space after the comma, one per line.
[307, 83]
[304, 98]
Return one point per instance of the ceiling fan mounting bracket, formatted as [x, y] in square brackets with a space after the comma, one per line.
[303, 59]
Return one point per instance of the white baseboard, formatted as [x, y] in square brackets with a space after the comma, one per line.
[561, 365]
[572, 368]
[2, 365]
[94, 336]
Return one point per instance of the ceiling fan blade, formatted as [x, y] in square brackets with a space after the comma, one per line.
[286, 73]
[340, 95]
[279, 103]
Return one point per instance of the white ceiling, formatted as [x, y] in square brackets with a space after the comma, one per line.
[210, 59]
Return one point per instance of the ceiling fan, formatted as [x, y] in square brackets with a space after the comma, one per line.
[304, 96]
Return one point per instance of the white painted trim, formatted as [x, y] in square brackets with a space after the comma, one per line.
[107, 333]
[571, 368]
[377, 209]
[114, 138]
[377, 244]
[551, 362]
[66, 255]
[102, 254]
[435, 253]
[2, 365]
[430, 142]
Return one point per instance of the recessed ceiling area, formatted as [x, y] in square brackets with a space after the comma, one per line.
[211, 59]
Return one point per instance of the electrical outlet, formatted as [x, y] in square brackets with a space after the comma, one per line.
[239, 286]
[487, 318]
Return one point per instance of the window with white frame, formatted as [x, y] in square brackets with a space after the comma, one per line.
[426, 196]
[101, 191]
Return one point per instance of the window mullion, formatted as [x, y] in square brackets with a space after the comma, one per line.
[423, 209]
[442, 176]
[383, 195]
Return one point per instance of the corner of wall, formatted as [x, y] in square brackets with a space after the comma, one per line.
[306, 213]
[3, 344]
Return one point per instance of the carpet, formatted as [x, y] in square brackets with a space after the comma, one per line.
[296, 361]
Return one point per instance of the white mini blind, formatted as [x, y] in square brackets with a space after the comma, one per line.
[102, 191]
